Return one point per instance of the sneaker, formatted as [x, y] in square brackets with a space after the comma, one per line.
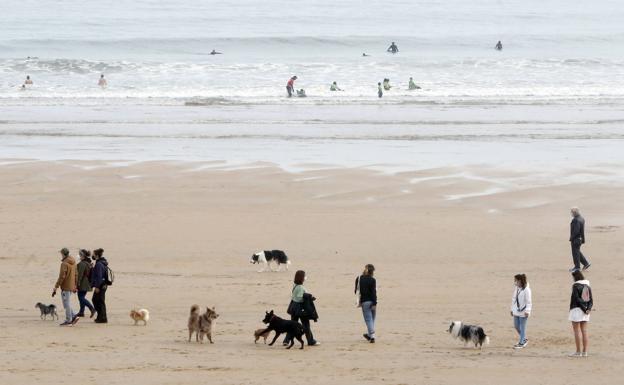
[575, 354]
[584, 354]
[366, 336]
[574, 269]
[525, 343]
[66, 324]
[586, 266]
[372, 340]
[315, 343]
[97, 321]
[75, 320]
[518, 346]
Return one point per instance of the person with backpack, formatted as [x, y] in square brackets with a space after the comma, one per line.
[100, 280]
[366, 288]
[521, 308]
[297, 309]
[82, 282]
[581, 303]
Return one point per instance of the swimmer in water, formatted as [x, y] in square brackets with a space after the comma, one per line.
[213, 52]
[379, 90]
[301, 93]
[386, 84]
[365, 54]
[499, 46]
[290, 86]
[28, 81]
[412, 85]
[102, 82]
[393, 48]
[23, 87]
[334, 87]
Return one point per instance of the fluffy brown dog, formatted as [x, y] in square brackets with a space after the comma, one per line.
[206, 324]
[139, 315]
[193, 323]
[261, 333]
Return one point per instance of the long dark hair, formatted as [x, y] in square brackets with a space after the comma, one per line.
[522, 279]
[369, 270]
[299, 277]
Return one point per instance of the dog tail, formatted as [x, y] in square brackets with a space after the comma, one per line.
[194, 309]
[487, 340]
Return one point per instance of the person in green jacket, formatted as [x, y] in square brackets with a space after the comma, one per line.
[296, 304]
[82, 282]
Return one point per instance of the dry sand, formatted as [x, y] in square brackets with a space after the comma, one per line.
[176, 237]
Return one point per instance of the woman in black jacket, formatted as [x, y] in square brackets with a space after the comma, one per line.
[366, 286]
[581, 303]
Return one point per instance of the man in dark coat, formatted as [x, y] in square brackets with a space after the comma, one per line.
[577, 238]
[98, 282]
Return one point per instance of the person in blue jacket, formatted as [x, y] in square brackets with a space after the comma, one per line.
[98, 283]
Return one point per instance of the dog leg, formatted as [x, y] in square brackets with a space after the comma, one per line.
[144, 323]
[210, 337]
[275, 338]
[300, 341]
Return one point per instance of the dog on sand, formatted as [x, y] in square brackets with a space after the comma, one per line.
[139, 315]
[468, 334]
[47, 309]
[280, 325]
[261, 333]
[267, 257]
[201, 324]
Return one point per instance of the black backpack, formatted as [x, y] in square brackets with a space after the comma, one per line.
[110, 277]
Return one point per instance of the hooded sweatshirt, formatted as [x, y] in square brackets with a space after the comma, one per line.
[67, 275]
[98, 275]
[521, 301]
[82, 276]
[576, 298]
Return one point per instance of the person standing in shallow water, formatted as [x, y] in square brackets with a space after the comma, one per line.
[577, 238]
[521, 306]
[366, 286]
[83, 284]
[379, 90]
[499, 46]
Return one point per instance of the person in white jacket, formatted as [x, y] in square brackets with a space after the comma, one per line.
[521, 308]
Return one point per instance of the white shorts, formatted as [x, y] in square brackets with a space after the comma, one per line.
[577, 315]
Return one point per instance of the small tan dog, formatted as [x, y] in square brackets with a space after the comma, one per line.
[261, 333]
[201, 325]
[139, 315]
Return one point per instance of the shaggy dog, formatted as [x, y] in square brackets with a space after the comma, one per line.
[468, 333]
[264, 258]
[206, 324]
[280, 325]
[139, 315]
[193, 323]
[261, 333]
[47, 309]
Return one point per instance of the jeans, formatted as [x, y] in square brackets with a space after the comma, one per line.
[66, 297]
[577, 256]
[84, 302]
[369, 317]
[99, 303]
[520, 325]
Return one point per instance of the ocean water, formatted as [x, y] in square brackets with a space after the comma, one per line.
[553, 96]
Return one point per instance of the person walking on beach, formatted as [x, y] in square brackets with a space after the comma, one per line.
[299, 310]
[499, 46]
[67, 282]
[366, 286]
[290, 86]
[521, 308]
[379, 90]
[99, 276]
[82, 282]
[393, 48]
[102, 82]
[581, 303]
[577, 238]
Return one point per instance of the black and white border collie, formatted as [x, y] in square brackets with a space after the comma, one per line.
[468, 333]
[264, 258]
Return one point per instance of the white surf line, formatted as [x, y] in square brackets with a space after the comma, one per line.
[490, 191]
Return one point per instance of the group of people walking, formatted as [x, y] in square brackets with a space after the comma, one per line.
[82, 278]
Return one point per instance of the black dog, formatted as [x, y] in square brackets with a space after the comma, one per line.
[280, 325]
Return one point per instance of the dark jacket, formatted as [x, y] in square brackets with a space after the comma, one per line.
[576, 299]
[368, 288]
[98, 274]
[577, 230]
[309, 310]
[82, 277]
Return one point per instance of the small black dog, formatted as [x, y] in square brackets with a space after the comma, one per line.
[280, 325]
[47, 309]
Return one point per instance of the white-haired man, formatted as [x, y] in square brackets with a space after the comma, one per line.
[577, 238]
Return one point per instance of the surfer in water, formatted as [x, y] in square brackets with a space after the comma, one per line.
[334, 87]
[499, 46]
[365, 54]
[290, 86]
[412, 85]
[102, 82]
[28, 81]
[393, 48]
[213, 52]
[301, 93]
[379, 90]
[386, 84]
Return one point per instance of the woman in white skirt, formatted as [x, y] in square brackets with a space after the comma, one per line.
[581, 302]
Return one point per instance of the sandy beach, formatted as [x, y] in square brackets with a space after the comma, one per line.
[179, 233]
